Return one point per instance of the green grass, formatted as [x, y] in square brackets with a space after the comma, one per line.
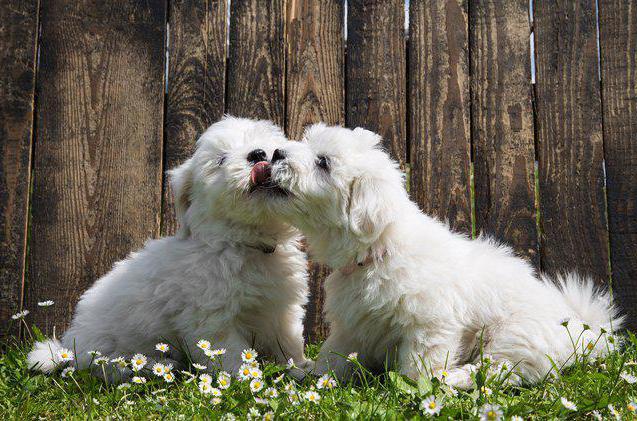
[589, 384]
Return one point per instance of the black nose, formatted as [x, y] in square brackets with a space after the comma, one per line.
[278, 155]
[257, 155]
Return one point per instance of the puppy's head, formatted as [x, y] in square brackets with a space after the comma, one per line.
[228, 177]
[339, 179]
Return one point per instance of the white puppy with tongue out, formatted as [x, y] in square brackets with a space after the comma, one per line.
[233, 274]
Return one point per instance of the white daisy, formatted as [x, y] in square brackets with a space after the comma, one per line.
[199, 366]
[568, 404]
[20, 315]
[353, 356]
[249, 355]
[244, 372]
[120, 362]
[629, 378]
[94, 353]
[270, 392]
[215, 401]
[253, 414]
[215, 392]
[430, 405]
[597, 415]
[205, 378]
[228, 417]
[168, 368]
[47, 303]
[278, 379]
[290, 363]
[101, 360]
[325, 381]
[123, 386]
[203, 344]
[312, 396]
[223, 380]
[632, 407]
[188, 374]
[255, 373]
[289, 388]
[169, 377]
[138, 361]
[205, 388]
[162, 347]
[442, 375]
[260, 401]
[294, 399]
[256, 385]
[65, 355]
[615, 413]
[564, 321]
[95, 401]
[68, 371]
[217, 352]
[268, 416]
[517, 418]
[138, 379]
[486, 391]
[491, 413]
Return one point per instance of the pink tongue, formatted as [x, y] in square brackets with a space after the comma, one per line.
[260, 173]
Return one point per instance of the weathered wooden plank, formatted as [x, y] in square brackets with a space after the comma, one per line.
[18, 38]
[502, 123]
[315, 92]
[439, 110]
[196, 83]
[98, 151]
[618, 46]
[570, 150]
[375, 75]
[256, 63]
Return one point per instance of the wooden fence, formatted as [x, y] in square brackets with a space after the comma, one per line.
[99, 98]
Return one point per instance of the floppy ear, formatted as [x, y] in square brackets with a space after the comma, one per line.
[181, 181]
[370, 207]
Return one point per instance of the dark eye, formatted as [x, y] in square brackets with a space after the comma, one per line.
[221, 160]
[323, 162]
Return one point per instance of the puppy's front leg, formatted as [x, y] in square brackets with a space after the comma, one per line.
[432, 357]
[333, 355]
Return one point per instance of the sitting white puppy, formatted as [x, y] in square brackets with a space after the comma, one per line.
[233, 274]
[406, 289]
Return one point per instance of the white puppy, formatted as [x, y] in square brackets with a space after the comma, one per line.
[233, 274]
[406, 289]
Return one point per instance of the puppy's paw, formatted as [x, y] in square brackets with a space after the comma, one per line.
[460, 378]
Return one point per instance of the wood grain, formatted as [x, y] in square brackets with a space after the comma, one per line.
[196, 83]
[502, 124]
[256, 62]
[570, 150]
[98, 151]
[618, 46]
[315, 92]
[375, 71]
[439, 106]
[18, 38]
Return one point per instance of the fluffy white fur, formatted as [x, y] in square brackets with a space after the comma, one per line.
[422, 296]
[212, 280]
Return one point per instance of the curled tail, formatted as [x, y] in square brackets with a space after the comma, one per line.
[591, 304]
[44, 355]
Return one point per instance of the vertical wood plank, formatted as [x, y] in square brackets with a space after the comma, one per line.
[98, 152]
[570, 150]
[439, 110]
[618, 45]
[502, 123]
[196, 83]
[315, 92]
[18, 38]
[256, 62]
[375, 75]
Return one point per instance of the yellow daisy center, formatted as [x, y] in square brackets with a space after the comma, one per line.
[491, 415]
[590, 346]
[432, 405]
[246, 371]
[138, 362]
[631, 407]
[223, 382]
[249, 356]
[445, 374]
[65, 355]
